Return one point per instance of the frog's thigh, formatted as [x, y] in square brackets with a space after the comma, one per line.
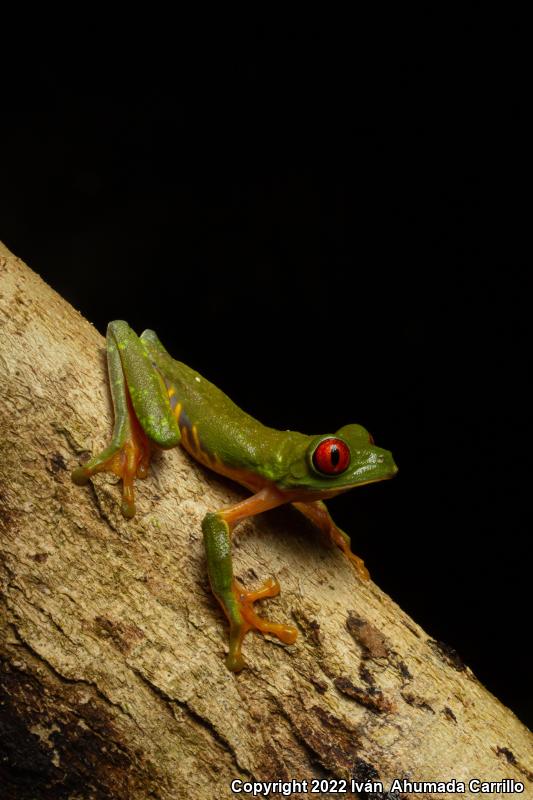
[146, 388]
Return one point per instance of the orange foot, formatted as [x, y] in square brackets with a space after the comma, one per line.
[245, 600]
[341, 540]
[129, 460]
[359, 565]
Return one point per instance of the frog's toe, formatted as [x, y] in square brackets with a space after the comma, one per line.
[270, 588]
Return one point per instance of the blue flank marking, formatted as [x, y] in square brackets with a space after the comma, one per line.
[184, 420]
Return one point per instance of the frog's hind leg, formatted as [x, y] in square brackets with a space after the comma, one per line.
[142, 414]
[318, 513]
[237, 603]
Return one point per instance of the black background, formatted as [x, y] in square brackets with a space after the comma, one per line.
[331, 233]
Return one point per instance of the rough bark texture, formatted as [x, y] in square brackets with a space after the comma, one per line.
[112, 646]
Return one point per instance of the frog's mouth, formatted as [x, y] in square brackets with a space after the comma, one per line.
[373, 480]
[313, 493]
[377, 479]
[372, 468]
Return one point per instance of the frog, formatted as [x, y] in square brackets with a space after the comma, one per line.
[159, 402]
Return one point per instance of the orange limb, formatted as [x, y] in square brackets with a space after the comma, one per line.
[318, 514]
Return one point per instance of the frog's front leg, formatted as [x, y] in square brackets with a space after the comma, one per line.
[236, 601]
[142, 414]
[317, 512]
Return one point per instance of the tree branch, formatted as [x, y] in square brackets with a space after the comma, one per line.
[112, 645]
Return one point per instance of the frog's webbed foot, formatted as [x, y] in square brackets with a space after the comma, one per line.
[249, 620]
[128, 457]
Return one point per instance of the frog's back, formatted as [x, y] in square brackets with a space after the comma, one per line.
[214, 429]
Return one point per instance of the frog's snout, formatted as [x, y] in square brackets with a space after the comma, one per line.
[389, 464]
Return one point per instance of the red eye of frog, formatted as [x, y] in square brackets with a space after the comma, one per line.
[332, 456]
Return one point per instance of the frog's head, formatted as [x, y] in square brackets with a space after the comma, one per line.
[334, 463]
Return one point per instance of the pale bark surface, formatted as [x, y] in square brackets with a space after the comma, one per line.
[112, 646]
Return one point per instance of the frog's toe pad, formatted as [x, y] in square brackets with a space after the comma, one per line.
[80, 476]
[235, 662]
[127, 508]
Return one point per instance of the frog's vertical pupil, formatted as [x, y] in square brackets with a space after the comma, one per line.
[331, 456]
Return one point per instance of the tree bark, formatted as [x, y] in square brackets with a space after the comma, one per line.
[112, 646]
